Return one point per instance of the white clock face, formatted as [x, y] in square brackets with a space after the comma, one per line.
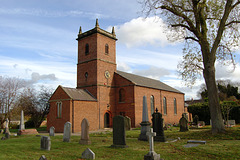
[107, 74]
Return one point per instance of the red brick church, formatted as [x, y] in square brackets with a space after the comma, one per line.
[103, 92]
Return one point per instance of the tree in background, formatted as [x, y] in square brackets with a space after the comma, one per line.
[211, 32]
[34, 104]
[9, 89]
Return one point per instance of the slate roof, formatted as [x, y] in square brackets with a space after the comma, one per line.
[146, 82]
[78, 94]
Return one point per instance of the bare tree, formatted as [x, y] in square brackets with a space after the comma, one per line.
[211, 32]
[9, 88]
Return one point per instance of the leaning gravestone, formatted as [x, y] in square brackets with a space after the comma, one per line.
[85, 132]
[67, 132]
[42, 158]
[45, 143]
[145, 124]
[127, 123]
[152, 155]
[183, 122]
[157, 123]
[88, 154]
[52, 131]
[6, 129]
[119, 136]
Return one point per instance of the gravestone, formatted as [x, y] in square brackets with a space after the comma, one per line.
[183, 123]
[67, 132]
[119, 136]
[88, 154]
[195, 120]
[52, 131]
[152, 155]
[127, 123]
[85, 132]
[6, 129]
[22, 126]
[157, 124]
[231, 123]
[185, 115]
[7, 135]
[45, 143]
[145, 124]
[42, 158]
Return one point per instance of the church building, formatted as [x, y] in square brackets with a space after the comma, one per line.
[103, 92]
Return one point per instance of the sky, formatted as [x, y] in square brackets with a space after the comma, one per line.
[38, 42]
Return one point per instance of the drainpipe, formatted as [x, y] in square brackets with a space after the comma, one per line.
[72, 115]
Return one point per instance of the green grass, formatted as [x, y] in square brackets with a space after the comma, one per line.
[221, 146]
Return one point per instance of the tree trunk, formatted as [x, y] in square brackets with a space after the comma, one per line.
[213, 100]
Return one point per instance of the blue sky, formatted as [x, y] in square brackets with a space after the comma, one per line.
[38, 41]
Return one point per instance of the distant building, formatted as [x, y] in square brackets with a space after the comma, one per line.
[102, 92]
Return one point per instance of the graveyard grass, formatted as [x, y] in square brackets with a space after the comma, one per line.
[221, 146]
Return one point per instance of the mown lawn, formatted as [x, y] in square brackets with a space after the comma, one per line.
[222, 146]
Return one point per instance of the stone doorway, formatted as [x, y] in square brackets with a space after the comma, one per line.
[106, 120]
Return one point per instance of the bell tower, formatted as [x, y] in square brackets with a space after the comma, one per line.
[96, 61]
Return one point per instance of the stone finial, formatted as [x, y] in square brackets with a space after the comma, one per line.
[80, 30]
[97, 25]
[113, 31]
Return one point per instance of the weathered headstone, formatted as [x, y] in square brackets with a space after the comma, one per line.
[22, 126]
[45, 143]
[88, 154]
[52, 131]
[195, 120]
[157, 123]
[6, 129]
[152, 155]
[7, 135]
[145, 124]
[67, 132]
[85, 132]
[127, 123]
[119, 136]
[231, 123]
[42, 158]
[183, 123]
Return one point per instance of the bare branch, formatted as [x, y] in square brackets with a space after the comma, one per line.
[192, 38]
[237, 3]
[232, 22]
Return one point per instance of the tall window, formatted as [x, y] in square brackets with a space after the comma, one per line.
[165, 105]
[121, 95]
[87, 49]
[59, 109]
[106, 49]
[175, 106]
[152, 104]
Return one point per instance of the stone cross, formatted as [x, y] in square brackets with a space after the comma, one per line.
[150, 135]
[52, 131]
[85, 132]
[152, 155]
[145, 124]
[22, 126]
[45, 143]
[67, 132]
[88, 154]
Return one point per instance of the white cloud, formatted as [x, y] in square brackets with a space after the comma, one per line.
[122, 66]
[152, 72]
[143, 31]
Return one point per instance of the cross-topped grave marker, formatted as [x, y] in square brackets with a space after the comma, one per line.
[152, 155]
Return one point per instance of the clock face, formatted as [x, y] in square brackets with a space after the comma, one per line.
[107, 74]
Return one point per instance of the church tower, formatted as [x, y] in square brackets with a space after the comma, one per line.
[96, 66]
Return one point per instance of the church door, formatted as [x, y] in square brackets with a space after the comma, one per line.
[106, 120]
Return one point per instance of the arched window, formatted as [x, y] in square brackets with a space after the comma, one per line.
[106, 49]
[121, 95]
[87, 49]
[152, 104]
[164, 105]
[175, 106]
[59, 109]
